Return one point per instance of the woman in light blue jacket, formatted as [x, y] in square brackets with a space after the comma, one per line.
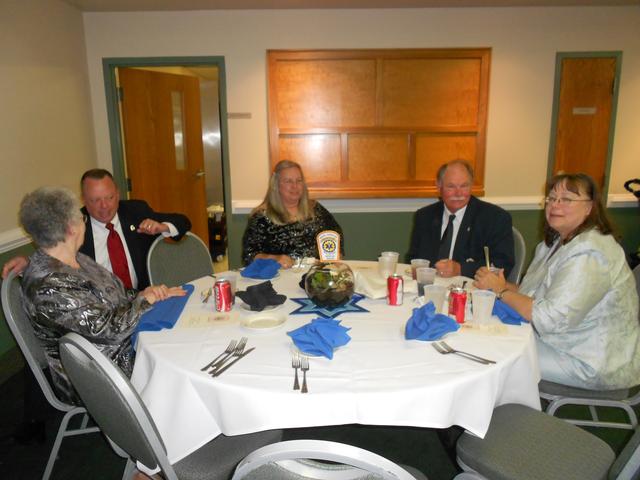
[579, 293]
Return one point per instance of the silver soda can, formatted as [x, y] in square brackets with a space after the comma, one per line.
[395, 288]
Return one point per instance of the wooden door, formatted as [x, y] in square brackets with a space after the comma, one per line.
[584, 116]
[163, 143]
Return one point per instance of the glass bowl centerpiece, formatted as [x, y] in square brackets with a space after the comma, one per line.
[329, 284]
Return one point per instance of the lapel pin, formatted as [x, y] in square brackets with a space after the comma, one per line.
[132, 227]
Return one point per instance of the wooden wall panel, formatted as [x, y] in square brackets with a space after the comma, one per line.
[434, 150]
[378, 123]
[326, 93]
[319, 155]
[378, 157]
[430, 92]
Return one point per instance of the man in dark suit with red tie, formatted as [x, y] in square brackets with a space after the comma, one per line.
[453, 232]
[132, 220]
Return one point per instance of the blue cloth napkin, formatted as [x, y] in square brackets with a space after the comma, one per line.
[320, 337]
[261, 268]
[163, 314]
[506, 314]
[426, 324]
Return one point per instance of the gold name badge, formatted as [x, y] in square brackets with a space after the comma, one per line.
[328, 245]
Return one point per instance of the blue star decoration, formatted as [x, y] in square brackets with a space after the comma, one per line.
[308, 307]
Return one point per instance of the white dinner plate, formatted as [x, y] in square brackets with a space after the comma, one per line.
[264, 321]
[268, 308]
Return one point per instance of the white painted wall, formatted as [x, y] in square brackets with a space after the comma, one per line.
[46, 129]
[524, 43]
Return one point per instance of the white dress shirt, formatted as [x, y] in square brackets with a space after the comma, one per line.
[456, 225]
[100, 234]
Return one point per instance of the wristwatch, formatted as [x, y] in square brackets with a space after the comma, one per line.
[501, 293]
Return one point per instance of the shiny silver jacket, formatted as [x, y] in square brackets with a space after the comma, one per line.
[90, 301]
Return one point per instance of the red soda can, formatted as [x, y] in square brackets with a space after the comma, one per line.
[395, 287]
[223, 295]
[457, 303]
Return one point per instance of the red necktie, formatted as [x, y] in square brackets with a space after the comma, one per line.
[118, 257]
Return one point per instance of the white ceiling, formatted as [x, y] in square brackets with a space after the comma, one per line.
[159, 5]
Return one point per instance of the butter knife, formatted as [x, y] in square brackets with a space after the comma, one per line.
[245, 353]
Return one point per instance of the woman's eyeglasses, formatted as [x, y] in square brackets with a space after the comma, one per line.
[288, 181]
[564, 201]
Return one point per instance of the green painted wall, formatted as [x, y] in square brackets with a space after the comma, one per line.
[368, 234]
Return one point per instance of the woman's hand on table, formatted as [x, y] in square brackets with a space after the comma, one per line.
[156, 293]
[487, 280]
[285, 261]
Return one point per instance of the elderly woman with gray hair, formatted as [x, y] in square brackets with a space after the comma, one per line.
[66, 291]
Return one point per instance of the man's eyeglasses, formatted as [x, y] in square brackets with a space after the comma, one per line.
[563, 201]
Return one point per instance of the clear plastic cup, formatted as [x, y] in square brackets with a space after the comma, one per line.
[425, 276]
[387, 266]
[418, 263]
[482, 302]
[436, 294]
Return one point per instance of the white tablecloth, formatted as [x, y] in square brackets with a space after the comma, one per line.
[379, 378]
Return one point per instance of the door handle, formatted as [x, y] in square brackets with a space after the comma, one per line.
[199, 174]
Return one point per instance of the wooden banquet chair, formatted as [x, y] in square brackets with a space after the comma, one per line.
[176, 263]
[525, 444]
[320, 460]
[520, 251]
[118, 410]
[33, 352]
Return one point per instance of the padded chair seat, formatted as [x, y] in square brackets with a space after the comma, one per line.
[273, 471]
[223, 452]
[574, 392]
[526, 444]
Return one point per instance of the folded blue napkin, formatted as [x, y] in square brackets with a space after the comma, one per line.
[163, 314]
[426, 324]
[320, 337]
[506, 314]
[261, 268]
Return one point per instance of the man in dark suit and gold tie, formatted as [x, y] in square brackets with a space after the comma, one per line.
[453, 232]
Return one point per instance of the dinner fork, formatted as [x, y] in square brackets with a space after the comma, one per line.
[304, 366]
[229, 350]
[295, 364]
[444, 349]
[236, 353]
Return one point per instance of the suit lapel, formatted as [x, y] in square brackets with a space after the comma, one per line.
[435, 233]
[87, 246]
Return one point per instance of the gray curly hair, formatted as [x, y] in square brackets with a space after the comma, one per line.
[47, 213]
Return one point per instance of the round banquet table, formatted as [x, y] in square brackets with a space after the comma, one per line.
[378, 378]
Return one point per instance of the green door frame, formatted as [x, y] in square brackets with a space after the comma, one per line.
[109, 66]
[556, 105]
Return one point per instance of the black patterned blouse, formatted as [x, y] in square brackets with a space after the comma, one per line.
[297, 239]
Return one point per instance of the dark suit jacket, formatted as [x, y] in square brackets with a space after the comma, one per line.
[483, 224]
[131, 213]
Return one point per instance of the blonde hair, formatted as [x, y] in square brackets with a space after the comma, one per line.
[272, 204]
